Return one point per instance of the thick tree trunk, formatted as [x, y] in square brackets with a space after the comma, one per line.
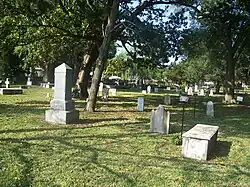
[103, 51]
[230, 77]
[84, 74]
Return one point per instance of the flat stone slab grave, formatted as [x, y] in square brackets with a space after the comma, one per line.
[199, 141]
[10, 91]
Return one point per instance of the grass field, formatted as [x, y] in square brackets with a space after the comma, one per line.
[114, 147]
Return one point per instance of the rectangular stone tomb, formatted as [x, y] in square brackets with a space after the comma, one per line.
[10, 91]
[199, 141]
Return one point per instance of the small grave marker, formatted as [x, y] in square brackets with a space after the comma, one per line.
[112, 91]
[105, 93]
[186, 89]
[190, 91]
[156, 89]
[184, 98]
[100, 86]
[7, 83]
[167, 99]
[210, 109]
[29, 82]
[202, 92]
[211, 92]
[149, 89]
[140, 106]
[196, 89]
[159, 120]
[239, 99]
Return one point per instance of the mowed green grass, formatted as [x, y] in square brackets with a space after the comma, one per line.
[114, 147]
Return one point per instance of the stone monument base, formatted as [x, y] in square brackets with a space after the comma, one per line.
[10, 91]
[61, 117]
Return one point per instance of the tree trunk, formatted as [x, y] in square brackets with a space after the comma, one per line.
[103, 51]
[84, 74]
[230, 77]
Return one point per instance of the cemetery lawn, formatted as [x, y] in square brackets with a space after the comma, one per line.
[114, 147]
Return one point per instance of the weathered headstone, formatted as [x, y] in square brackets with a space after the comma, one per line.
[144, 92]
[112, 91]
[149, 89]
[239, 99]
[176, 89]
[186, 89]
[211, 92]
[100, 86]
[159, 120]
[105, 93]
[210, 109]
[202, 92]
[168, 88]
[140, 106]
[7, 83]
[190, 91]
[62, 107]
[196, 89]
[199, 141]
[167, 99]
[156, 89]
[29, 82]
[184, 98]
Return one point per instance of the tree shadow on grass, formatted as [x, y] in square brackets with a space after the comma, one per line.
[26, 172]
[91, 121]
[221, 149]
[189, 165]
[91, 124]
[12, 110]
[34, 103]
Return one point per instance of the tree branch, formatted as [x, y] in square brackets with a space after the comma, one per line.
[124, 45]
[150, 3]
[63, 7]
[69, 33]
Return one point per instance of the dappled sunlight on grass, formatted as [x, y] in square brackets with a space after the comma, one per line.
[114, 147]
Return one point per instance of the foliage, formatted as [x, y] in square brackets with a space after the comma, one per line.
[227, 24]
[10, 65]
[117, 65]
[45, 31]
[176, 139]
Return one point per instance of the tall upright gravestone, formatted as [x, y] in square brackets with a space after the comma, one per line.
[62, 107]
[159, 120]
